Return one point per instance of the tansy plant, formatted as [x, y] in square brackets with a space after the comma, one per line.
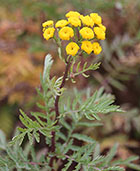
[62, 112]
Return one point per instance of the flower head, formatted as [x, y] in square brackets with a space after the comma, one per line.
[73, 14]
[48, 23]
[66, 33]
[87, 20]
[96, 18]
[72, 48]
[87, 46]
[49, 33]
[61, 23]
[102, 27]
[74, 21]
[86, 33]
[99, 33]
[96, 48]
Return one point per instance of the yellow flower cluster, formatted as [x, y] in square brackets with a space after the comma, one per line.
[61, 23]
[87, 20]
[48, 23]
[80, 30]
[99, 33]
[73, 14]
[48, 29]
[74, 21]
[86, 33]
[72, 48]
[48, 33]
[87, 46]
[66, 33]
[96, 48]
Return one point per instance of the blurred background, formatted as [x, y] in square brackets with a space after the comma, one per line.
[22, 52]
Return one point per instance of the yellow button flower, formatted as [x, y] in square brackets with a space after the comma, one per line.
[86, 33]
[87, 46]
[49, 33]
[48, 23]
[74, 21]
[102, 27]
[99, 33]
[87, 20]
[72, 48]
[73, 14]
[66, 33]
[96, 18]
[61, 23]
[96, 48]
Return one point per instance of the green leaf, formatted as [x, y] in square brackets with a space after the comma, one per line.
[83, 138]
[18, 138]
[98, 103]
[78, 66]
[115, 168]
[133, 166]
[62, 136]
[111, 154]
[68, 147]
[2, 140]
[89, 124]
[97, 160]
[4, 168]
[88, 116]
[95, 115]
[77, 167]
[36, 135]
[30, 137]
[67, 165]
[96, 151]
[47, 67]
[65, 124]
[130, 159]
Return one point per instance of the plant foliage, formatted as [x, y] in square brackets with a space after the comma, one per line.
[79, 109]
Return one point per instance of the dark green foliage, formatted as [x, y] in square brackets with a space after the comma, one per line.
[79, 109]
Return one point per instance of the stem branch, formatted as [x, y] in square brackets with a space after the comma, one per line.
[52, 148]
